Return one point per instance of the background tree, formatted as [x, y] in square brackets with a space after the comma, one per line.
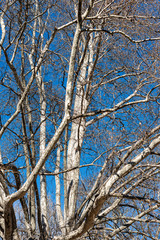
[79, 120]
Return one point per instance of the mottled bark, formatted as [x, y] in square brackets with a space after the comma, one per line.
[8, 224]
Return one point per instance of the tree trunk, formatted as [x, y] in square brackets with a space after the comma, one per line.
[8, 225]
[43, 199]
[11, 231]
[75, 145]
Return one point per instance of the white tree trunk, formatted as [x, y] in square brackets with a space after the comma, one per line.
[75, 145]
[58, 192]
[43, 199]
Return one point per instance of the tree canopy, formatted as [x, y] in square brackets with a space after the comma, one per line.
[79, 119]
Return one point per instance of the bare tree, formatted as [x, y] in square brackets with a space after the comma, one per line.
[80, 119]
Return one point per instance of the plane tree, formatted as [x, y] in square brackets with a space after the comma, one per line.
[79, 119]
